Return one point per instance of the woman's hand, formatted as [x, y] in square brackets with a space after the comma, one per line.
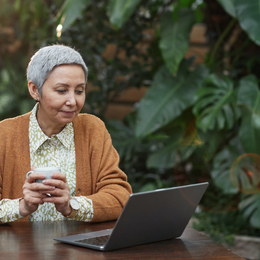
[60, 196]
[33, 194]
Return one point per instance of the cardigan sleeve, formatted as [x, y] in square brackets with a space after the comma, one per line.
[112, 189]
[9, 210]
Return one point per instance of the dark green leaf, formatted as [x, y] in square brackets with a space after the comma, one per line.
[246, 173]
[182, 141]
[210, 141]
[70, 11]
[228, 6]
[123, 138]
[251, 209]
[215, 105]
[249, 99]
[222, 164]
[175, 37]
[167, 98]
[249, 132]
[248, 14]
[224, 83]
[120, 11]
[248, 91]
[166, 157]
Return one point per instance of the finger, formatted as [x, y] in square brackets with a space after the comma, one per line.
[27, 194]
[47, 191]
[60, 192]
[34, 198]
[31, 171]
[35, 186]
[59, 176]
[57, 193]
[33, 176]
[56, 183]
[33, 201]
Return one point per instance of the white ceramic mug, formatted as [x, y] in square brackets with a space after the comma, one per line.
[47, 171]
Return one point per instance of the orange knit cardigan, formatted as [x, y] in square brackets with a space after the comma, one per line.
[97, 174]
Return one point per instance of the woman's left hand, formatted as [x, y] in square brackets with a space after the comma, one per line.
[61, 195]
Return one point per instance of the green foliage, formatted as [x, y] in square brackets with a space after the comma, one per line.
[229, 6]
[250, 207]
[111, 74]
[222, 227]
[175, 36]
[215, 104]
[248, 14]
[124, 138]
[168, 97]
[70, 11]
[24, 27]
[120, 11]
[188, 123]
[226, 104]
[132, 151]
[249, 98]
[222, 164]
[165, 157]
[220, 217]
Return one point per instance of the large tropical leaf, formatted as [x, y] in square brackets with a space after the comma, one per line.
[182, 141]
[249, 132]
[228, 6]
[170, 155]
[167, 98]
[166, 157]
[251, 209]
[175, 36]
[215, 104]
[248, 98]
[222, 165]
[248, 14]
[123, 137]
[248, 92]
[245, 173]
[120, 11]
[70, 11]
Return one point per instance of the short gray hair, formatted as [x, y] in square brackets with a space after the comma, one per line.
[47, 58]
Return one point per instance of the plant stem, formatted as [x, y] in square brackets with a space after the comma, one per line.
[221, 38]
[237, 53]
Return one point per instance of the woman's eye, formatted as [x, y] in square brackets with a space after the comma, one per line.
[79, 92]
[61, 91]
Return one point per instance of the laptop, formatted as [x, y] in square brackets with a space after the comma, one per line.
[147, 217]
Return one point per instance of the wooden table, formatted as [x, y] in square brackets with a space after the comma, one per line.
[34, 240]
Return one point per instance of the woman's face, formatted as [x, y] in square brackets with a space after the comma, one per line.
[63, 96]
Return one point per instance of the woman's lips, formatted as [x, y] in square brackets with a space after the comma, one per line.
[68, 112]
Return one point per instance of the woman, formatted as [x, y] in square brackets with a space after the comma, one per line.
[90, 186]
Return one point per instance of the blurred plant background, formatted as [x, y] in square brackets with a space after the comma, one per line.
[195, 123]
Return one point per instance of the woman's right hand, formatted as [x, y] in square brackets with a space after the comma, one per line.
[33, 193]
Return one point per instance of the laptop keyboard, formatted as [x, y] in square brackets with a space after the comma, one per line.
[97, 241]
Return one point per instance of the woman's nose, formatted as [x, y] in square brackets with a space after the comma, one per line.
[71, 101]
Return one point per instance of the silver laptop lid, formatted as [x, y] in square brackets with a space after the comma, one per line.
[155, 215]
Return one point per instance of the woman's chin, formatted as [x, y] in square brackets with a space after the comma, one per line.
[66, 117]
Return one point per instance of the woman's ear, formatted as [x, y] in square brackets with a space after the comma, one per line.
[33, 90]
